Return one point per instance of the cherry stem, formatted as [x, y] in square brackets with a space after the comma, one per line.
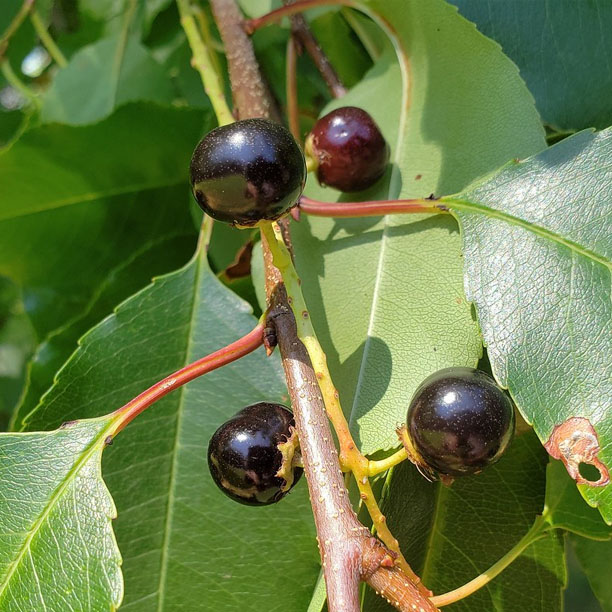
[250, 25]
[382, 465]
[371, 208]
[245, 345]
[311, 164]
[304, 36]
[293, 111]
[537, 531]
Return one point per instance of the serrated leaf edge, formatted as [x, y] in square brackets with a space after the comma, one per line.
[97, 445]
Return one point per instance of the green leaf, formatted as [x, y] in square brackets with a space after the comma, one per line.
[255, 8]
[451, 534]
[16, 345]
[596, 560]
[565, 508]
[538, 246]
[57, 550]
[154, 258]
[319, 596]
[386, 295]
[80, 201]
[168, 45]
[151, 10]
[225, 244]
[176, 531]
[345, 53]
[563, 51]
[102, 76]
[10, 123]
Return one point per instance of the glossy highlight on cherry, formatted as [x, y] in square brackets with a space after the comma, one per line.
[247, 171]
[459, 421]
[244, 457]
[349, 151]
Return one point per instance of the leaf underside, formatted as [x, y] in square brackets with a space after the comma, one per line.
[387, 294]
[538, 258]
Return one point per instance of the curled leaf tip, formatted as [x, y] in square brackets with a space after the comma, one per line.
[574, 442]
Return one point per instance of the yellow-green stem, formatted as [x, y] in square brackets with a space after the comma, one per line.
[47, 40]
[210, 43]
[537, 530]
[351, 458]
[311, 164]
[202, 62]
[382, 465]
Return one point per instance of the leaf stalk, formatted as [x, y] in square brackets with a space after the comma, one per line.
[375, 208]
[250, 25]
[241, 347]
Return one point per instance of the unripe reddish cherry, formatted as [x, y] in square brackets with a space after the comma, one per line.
[349, 151]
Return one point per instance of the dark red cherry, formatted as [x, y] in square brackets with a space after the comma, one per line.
[348, 148]
[244, 457]
[459, 421]
[247, 171]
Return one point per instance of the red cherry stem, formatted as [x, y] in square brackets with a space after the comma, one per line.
[250, 25]
[303, 35]
[245, 345]
[371, 208]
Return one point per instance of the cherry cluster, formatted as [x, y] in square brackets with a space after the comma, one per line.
[458, 421]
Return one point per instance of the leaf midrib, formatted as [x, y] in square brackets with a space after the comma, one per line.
[492, 213]
[395, 178]
[55, 497]
[199, 254]
[91, 197]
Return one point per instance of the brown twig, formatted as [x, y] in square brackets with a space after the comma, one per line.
[303, 34]
[251, 96]
[348, 552]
